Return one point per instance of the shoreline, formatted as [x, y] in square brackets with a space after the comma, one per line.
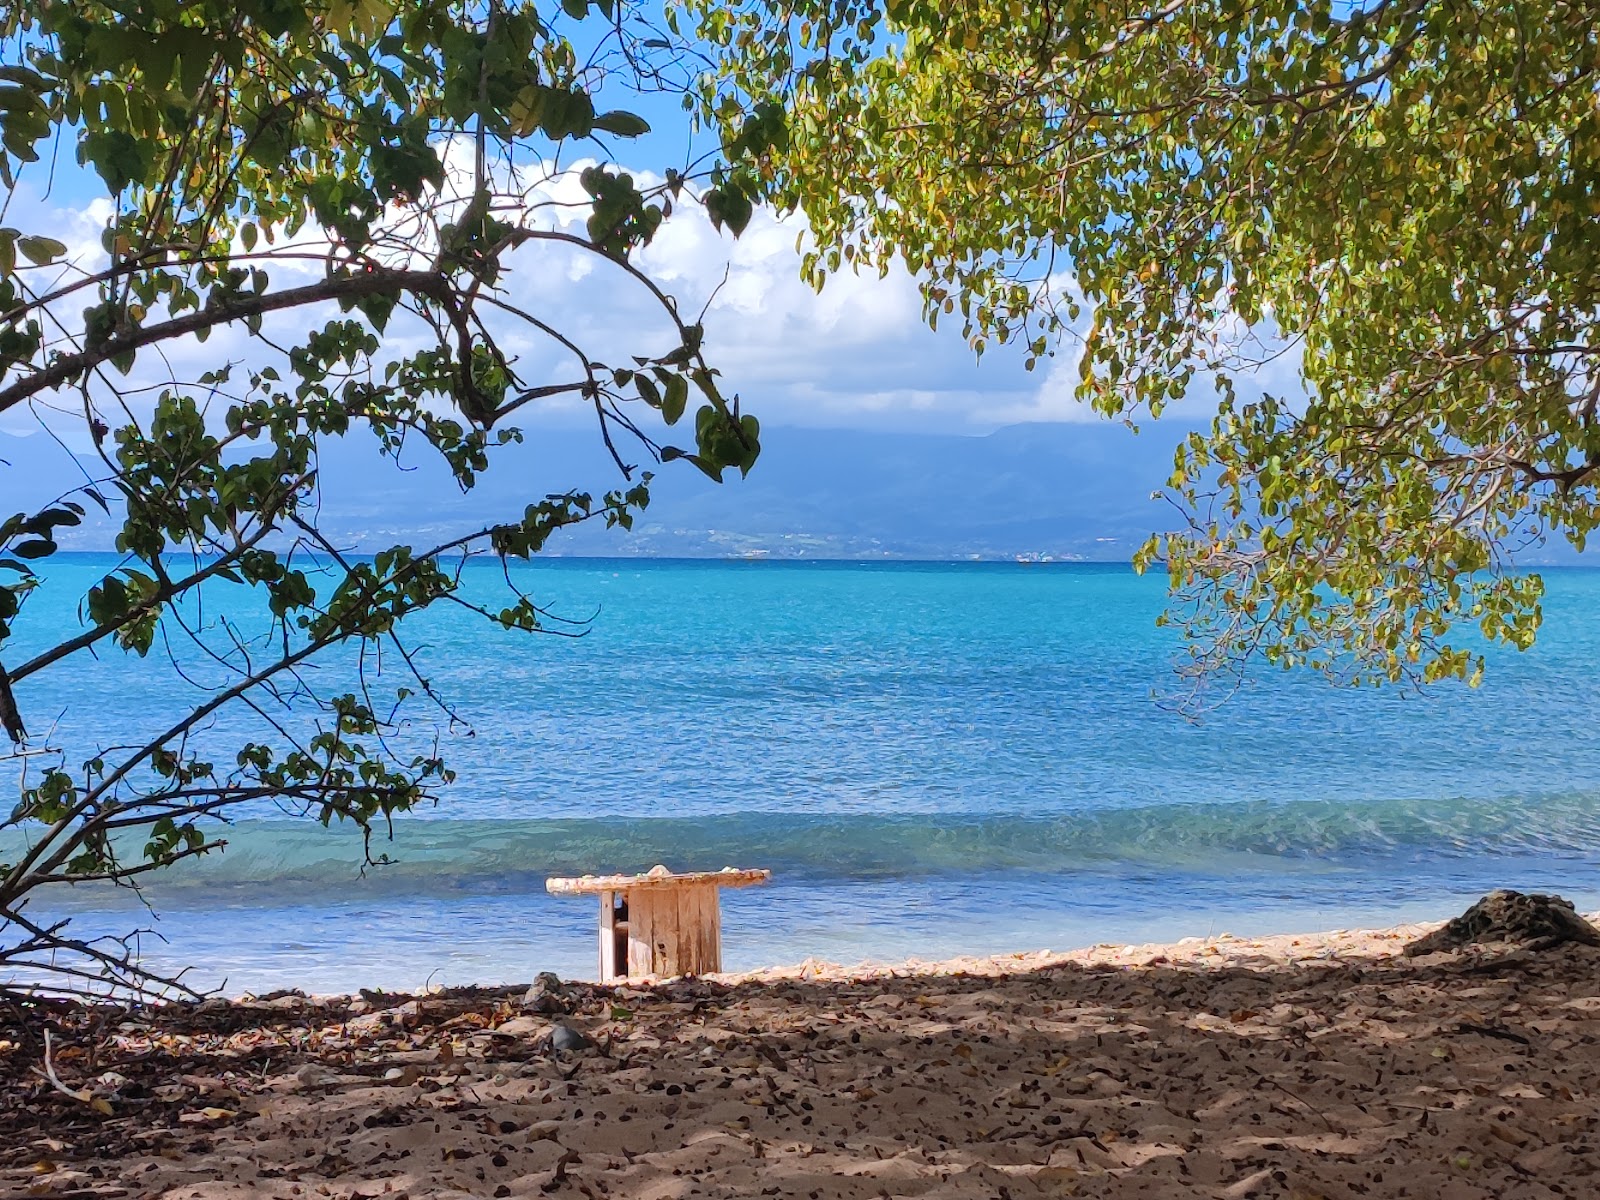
[1219, 950]
[1216, 951]
[1264, 951]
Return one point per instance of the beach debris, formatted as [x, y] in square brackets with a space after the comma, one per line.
[1530, 920]
[99, 1103]
[207, 1115]
[549, 995]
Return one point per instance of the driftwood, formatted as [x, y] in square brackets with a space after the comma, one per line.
[1534, 921]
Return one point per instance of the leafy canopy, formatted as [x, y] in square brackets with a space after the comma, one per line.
[366, 194]
[1399, 197]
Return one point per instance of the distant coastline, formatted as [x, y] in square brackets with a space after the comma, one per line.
[1040, 492]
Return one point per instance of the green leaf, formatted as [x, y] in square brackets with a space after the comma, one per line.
[623, 124]
[566, 114]
[119, 157]
[41, 251]
[675, 399]
[728, 205]
[527, 110]
[37, 548]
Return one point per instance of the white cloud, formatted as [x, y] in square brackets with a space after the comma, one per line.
[1055, 397]
[857, 354]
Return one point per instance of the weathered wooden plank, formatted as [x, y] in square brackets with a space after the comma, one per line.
[641, 931]
[668, 957]
[696, 950]
[608, 937]
[696, 912]
[663, 943]
[656, 877]
[690, 918]
[712, 950]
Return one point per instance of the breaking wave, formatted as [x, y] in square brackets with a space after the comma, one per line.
[434, 856]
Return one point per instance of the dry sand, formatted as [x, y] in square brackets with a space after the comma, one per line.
[1317, 1067]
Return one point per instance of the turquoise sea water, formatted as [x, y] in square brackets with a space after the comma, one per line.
[933, 759]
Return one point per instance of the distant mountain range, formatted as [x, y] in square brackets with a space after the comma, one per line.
[1061, 491]
[1080, 491]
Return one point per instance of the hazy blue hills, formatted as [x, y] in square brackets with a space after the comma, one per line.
[1079, 491]
[1046, 490]
[1056, 490]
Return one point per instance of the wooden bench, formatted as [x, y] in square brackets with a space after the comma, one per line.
[658, 923]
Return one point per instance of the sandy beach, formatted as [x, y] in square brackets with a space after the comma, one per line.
[1301, 1067]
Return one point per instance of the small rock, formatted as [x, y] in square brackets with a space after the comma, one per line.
[548, 995]
[564, 1038]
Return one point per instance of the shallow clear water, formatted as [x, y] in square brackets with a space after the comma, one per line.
[934, 759]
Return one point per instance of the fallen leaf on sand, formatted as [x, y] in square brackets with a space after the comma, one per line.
[207, 1114]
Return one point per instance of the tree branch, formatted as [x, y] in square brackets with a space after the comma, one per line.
[67, 367]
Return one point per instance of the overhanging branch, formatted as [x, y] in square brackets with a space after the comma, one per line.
[349, 287]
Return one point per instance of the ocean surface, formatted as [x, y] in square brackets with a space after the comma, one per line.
[933, 759]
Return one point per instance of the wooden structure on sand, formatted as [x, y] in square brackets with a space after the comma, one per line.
[658, 923]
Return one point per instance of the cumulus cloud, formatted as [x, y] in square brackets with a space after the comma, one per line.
[857, 354]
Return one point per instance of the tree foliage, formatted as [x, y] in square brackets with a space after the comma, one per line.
[1400, 197]
[356, 186]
